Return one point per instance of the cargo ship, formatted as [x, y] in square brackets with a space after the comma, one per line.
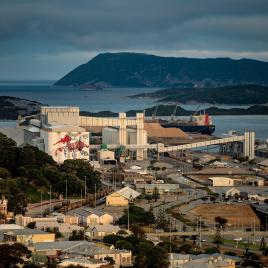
[201, 123]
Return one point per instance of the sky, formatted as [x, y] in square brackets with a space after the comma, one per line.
[46, 39]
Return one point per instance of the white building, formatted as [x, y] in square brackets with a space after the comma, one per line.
[61, 132]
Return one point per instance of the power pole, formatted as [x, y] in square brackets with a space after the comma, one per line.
[41, 204]
[50, 199]
[95, 195]
[128, 217]
[85, 188]
[81, 197]
[169, 234]
[66, 197]
[200, 226]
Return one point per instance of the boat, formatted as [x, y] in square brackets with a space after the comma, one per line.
[197, 123]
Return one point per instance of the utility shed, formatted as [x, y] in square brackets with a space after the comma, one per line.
[121, 197]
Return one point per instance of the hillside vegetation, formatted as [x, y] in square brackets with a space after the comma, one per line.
[26, 171]
[142, 70]
[239, 94]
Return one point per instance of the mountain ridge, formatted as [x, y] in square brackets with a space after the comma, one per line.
[127, 69]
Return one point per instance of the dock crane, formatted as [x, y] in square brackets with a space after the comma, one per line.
[155, 112]
[172, 118]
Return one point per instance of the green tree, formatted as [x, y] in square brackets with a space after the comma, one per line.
[31, 225]
[13, 255]
[123, 244]
[161, 220]
[4, 173]
[218, 239]
[155, 194]
[77, 235]
[263, 245]
[211, 251]
[112, 239]
[110, 260]
[221, 222]
[138, 231]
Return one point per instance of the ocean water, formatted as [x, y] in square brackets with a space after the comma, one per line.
[116, 100]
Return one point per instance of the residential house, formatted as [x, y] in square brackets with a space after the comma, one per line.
[97, 231]
[82, 249]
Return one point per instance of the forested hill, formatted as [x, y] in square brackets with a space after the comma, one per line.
[239, 94]
[142, 70]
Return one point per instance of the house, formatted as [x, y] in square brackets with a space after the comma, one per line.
[220, 181]
[26, 236]
[162, 188]
[94, 231]
[88, 216]
[80, 249]
[65, 228]
[89, 263]
[122, 197]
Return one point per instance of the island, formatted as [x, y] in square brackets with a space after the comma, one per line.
[127, 69]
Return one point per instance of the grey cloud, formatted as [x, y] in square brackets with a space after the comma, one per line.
[33, 27]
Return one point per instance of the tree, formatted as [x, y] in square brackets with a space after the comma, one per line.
[158, 258]
[77, 235]
[112, 239]
[211, 251]
[220, 221]
[123, 244]
[110, 260]
[155, 194]
[138, 231]
[2, 217]
[161, 220]
[58, 234]
[263, 245]
[4, 173]
[137, 215]
[218, 239]
[31, 225]
[13, 255]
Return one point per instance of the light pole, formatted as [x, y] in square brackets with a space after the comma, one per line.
[95, 195]
[66, 197]
[50, 198]
[85, 188]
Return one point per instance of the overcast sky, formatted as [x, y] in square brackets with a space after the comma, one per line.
[46, 39]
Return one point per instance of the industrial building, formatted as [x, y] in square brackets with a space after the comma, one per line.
[63, 133]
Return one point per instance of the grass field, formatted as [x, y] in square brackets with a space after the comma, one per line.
[237, 215]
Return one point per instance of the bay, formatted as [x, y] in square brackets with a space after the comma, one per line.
[116, 100]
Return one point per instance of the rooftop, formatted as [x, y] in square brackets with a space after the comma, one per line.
[128, 193]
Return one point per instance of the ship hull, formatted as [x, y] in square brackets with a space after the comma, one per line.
[207, 130]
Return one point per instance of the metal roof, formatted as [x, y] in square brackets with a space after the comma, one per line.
[128, 193]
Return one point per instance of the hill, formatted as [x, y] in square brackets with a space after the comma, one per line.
[26, 171]
[142, 70]
[12, 107]
[239, 94]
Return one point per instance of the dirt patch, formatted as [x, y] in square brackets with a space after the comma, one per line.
[237, 215]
